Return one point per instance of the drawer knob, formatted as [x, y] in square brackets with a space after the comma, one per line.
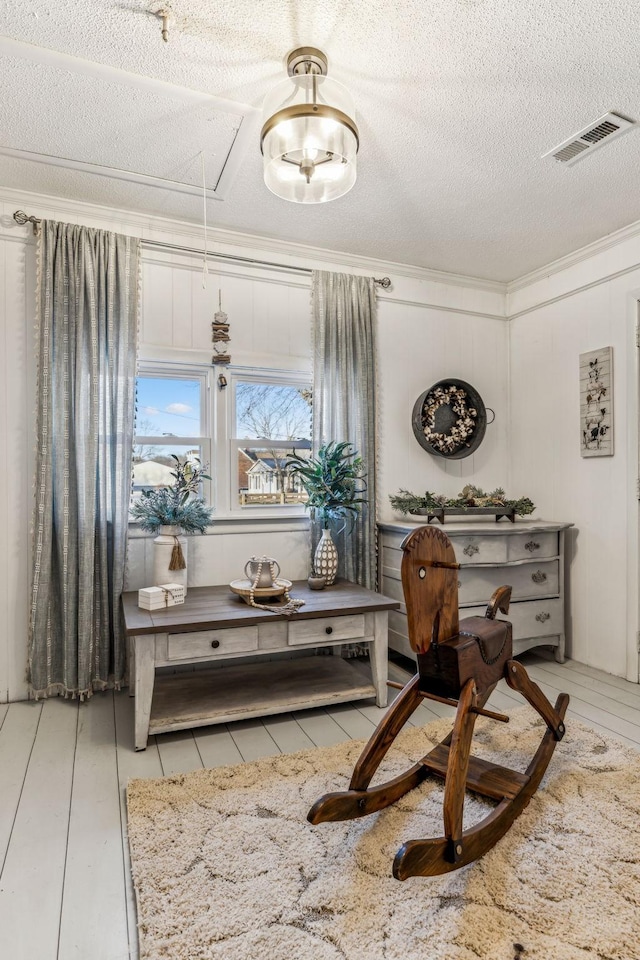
[470, 549]
[328, 629]
[531, 545]
[539, 576]
[215, 644]
[542, 617]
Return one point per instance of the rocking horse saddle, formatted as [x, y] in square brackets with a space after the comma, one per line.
[480, 644]
[460, 663]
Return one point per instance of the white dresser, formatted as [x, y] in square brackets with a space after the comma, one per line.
[527, 555]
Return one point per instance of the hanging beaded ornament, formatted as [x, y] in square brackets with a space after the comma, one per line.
[220, 335]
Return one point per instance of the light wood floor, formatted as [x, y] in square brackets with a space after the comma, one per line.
[65, 891]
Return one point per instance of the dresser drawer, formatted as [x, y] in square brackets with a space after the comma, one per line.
[480, 549]
[536, 618]
[392, 563]
[526, 580]
[211, 643]
[477, 584]
[531, 546]
[326, 630]
[393, 588]
[398, 623]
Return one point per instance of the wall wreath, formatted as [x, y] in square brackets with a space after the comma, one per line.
[449, 419]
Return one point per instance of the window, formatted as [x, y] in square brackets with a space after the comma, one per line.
[270, 419]
[172, 418]
[244, 432]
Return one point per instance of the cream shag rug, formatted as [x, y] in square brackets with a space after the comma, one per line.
[225, 864]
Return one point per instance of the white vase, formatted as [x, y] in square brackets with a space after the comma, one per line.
[163, 546]
[325, 561]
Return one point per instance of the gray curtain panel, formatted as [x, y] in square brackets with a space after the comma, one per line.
[344, 399]
[87, 303]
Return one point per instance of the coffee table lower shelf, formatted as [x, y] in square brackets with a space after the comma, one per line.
[182, 701]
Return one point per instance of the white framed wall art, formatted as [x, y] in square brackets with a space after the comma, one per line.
[596, 403]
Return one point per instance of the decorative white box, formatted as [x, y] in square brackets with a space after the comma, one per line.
[157, 598]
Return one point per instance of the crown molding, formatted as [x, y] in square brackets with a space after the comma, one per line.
[630, 232]
[549, 301]
[289, 252]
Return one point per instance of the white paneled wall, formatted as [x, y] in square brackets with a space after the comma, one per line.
[597, 494]
[269, 313]
[417, 347]
[17, 284]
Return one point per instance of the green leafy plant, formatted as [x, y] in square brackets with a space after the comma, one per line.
[406, 502]
[334, 482]
[177, 505]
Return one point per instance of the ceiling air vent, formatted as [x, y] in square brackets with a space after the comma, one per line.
[601, 131]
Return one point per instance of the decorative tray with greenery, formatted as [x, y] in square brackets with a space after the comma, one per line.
[472, 501]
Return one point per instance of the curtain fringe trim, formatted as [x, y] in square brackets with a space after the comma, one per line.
[68, 693]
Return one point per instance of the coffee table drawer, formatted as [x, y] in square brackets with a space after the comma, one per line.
[326, 629]
[212, 643]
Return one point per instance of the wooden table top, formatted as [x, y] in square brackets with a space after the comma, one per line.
[211, 608]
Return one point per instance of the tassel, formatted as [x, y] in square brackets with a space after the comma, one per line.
[177, 557]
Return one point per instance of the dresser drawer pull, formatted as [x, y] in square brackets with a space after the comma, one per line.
[328, 629]
[459, 584]
[542, 617]
[470, 549]
[215, 644]
[531, 546]
[539, 576]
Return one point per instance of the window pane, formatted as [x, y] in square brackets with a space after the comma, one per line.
[152, 465]
[168, 407]
[263, 479]
[276, 411]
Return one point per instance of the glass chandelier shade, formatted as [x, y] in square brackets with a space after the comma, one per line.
[309, 138]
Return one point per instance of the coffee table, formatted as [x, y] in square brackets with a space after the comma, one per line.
[214, 628]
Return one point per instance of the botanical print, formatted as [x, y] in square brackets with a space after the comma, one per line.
[596, 403]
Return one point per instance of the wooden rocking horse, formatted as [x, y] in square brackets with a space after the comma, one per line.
[459, 663]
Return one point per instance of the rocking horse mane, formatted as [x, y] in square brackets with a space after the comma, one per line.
[430, 583]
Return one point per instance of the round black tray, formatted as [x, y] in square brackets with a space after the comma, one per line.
[445, 418]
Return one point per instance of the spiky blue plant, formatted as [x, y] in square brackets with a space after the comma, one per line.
[176, 505]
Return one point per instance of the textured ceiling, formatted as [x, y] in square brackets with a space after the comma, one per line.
[456, 101]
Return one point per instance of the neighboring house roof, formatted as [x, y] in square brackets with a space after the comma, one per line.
[265, 465]
[151, 473]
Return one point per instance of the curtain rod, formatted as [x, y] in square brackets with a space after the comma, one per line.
[22, 218]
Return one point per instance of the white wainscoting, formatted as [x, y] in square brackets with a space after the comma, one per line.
[418, 347]
[598, 495]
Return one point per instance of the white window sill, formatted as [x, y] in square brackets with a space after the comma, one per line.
[236, 524]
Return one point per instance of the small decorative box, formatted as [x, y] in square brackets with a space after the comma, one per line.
[157, 598]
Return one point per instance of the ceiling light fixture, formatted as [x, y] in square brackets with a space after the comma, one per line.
[309, 138]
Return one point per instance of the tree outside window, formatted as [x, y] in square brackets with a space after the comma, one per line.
[278, 415]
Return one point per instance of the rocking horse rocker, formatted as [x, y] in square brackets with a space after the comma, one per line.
[459, 663]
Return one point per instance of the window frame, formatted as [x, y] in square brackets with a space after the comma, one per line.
[217, 421]
[286, 378]
[170, 370]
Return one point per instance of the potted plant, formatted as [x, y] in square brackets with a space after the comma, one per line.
[334, 482]
[171, 512]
